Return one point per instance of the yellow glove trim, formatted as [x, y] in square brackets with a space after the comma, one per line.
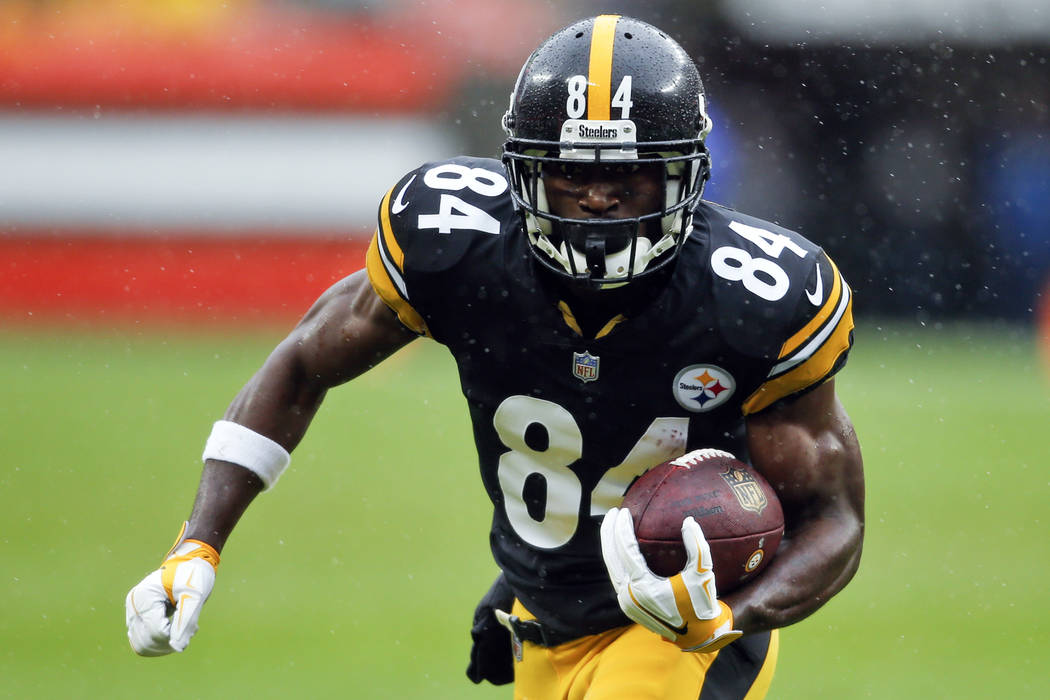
[722, 622]
[167, 570]
[696, 630]
[178, 540]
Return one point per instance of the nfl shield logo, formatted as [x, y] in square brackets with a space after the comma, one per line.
[584, 366]
[746, 490]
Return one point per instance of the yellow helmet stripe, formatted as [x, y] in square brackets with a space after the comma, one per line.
[599, 78]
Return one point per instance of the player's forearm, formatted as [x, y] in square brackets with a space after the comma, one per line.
[812, 565]
[278, 404]
[225, 492]
[348, 330]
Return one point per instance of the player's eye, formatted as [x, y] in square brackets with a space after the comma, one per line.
[570, 171]
[573, 171]
[564, 171]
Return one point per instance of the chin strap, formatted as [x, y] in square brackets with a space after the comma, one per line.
[594, 254]
[593, 258]
[614, 265]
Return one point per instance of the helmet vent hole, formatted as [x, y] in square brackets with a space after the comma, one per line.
[628, 35]
[579, 34]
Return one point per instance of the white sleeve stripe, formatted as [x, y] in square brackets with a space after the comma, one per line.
[391, 268]
[813, 345]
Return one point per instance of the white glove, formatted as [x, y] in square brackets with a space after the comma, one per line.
[162, 610]
[684, 608]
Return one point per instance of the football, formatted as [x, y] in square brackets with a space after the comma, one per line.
[734, 505]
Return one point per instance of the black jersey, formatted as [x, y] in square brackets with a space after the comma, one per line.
[753, 314]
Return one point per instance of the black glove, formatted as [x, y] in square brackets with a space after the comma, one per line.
[491, 657]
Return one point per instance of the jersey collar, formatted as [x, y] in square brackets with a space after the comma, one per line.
[571, 322]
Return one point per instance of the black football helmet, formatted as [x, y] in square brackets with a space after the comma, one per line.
[616, 91]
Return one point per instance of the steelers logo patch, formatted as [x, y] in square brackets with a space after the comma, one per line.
[700, 388]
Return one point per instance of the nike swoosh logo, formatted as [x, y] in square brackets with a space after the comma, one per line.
[399, 206]
[680, 631]
[817, 295]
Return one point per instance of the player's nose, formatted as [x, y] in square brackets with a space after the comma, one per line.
[599, 199]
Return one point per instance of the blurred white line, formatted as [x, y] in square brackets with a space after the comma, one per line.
[164, 171]
[894, 22]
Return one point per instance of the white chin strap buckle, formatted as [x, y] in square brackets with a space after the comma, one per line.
[616, 264]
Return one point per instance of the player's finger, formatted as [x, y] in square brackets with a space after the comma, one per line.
[698, 576]
[642, 617]
[610, 552]
[697, 550]
[148, 626]
[193, 584]
[627, 544]
[184, 622]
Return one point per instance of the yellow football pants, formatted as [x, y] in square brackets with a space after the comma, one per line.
[636, 664]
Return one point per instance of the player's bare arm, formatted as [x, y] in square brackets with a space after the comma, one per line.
[808, 451]
[347, 331]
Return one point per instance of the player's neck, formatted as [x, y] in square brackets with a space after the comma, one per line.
[592, 311]
[588, 321]
[597, 311]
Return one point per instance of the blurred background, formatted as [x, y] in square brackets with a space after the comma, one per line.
[910, 139]
[179, 179]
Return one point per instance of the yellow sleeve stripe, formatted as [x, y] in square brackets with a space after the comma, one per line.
[599, 72]
[813, 370]
[396, 255]
[817, 341]
[817, 321]
[393, 271]
[379, 276]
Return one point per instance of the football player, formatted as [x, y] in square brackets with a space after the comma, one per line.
[604, 318]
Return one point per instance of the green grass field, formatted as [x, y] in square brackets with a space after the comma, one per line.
[356, 577]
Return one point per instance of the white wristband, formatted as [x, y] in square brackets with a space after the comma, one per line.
[231, 442]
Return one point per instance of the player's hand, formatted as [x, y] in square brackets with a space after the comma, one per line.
[491, 654]
[684, 608]
[163, 609]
